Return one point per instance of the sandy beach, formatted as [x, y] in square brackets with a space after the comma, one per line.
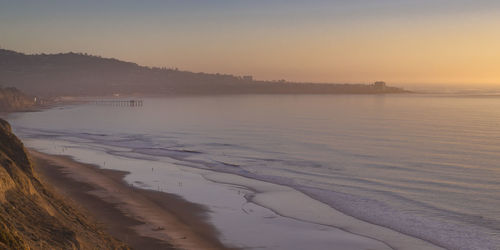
[148, 219]
[141, 218]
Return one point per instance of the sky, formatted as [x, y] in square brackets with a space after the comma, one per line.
[351, 41]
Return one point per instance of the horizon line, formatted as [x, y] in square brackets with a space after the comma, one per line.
[427, 84]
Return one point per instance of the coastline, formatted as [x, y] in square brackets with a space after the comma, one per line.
[267, 199]
[144, 219]
[135, 223]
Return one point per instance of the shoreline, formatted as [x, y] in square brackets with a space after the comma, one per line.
[144, 219]
[275, 197]
[283, 201]
[304, 190]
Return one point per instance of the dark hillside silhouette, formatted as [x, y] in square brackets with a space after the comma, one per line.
[76, 74]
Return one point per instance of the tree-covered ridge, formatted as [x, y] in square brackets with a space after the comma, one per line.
[77, 74]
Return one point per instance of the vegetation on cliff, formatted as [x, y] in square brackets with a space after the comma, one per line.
[34, 217]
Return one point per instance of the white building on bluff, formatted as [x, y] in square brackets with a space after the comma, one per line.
[379, 85]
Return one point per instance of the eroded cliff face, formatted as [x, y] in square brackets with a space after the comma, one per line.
[34, 217]
[11, 99]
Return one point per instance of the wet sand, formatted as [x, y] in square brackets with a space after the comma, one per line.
[143, 219]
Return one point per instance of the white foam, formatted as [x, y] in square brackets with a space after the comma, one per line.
[240, 222]
[292, 203]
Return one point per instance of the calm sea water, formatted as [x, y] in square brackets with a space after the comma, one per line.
[424, 165]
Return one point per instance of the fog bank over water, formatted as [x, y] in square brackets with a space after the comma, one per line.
[451, 88]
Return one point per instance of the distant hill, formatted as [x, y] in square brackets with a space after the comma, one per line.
[72, 74]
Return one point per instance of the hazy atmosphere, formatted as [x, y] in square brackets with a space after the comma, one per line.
[401, 42]
[250, 125]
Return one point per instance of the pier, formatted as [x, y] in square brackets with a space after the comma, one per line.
[120, 103]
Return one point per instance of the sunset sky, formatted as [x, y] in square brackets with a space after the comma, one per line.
[404, 42]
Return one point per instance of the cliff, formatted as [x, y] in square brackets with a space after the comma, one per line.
[34, 217]
[76, 74]
[11, 99]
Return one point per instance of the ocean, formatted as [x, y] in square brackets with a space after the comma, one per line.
[426, 166]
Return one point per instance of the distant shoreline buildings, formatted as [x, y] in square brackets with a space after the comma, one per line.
[379, 85]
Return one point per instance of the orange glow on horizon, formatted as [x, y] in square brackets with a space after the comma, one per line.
[450, 48]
